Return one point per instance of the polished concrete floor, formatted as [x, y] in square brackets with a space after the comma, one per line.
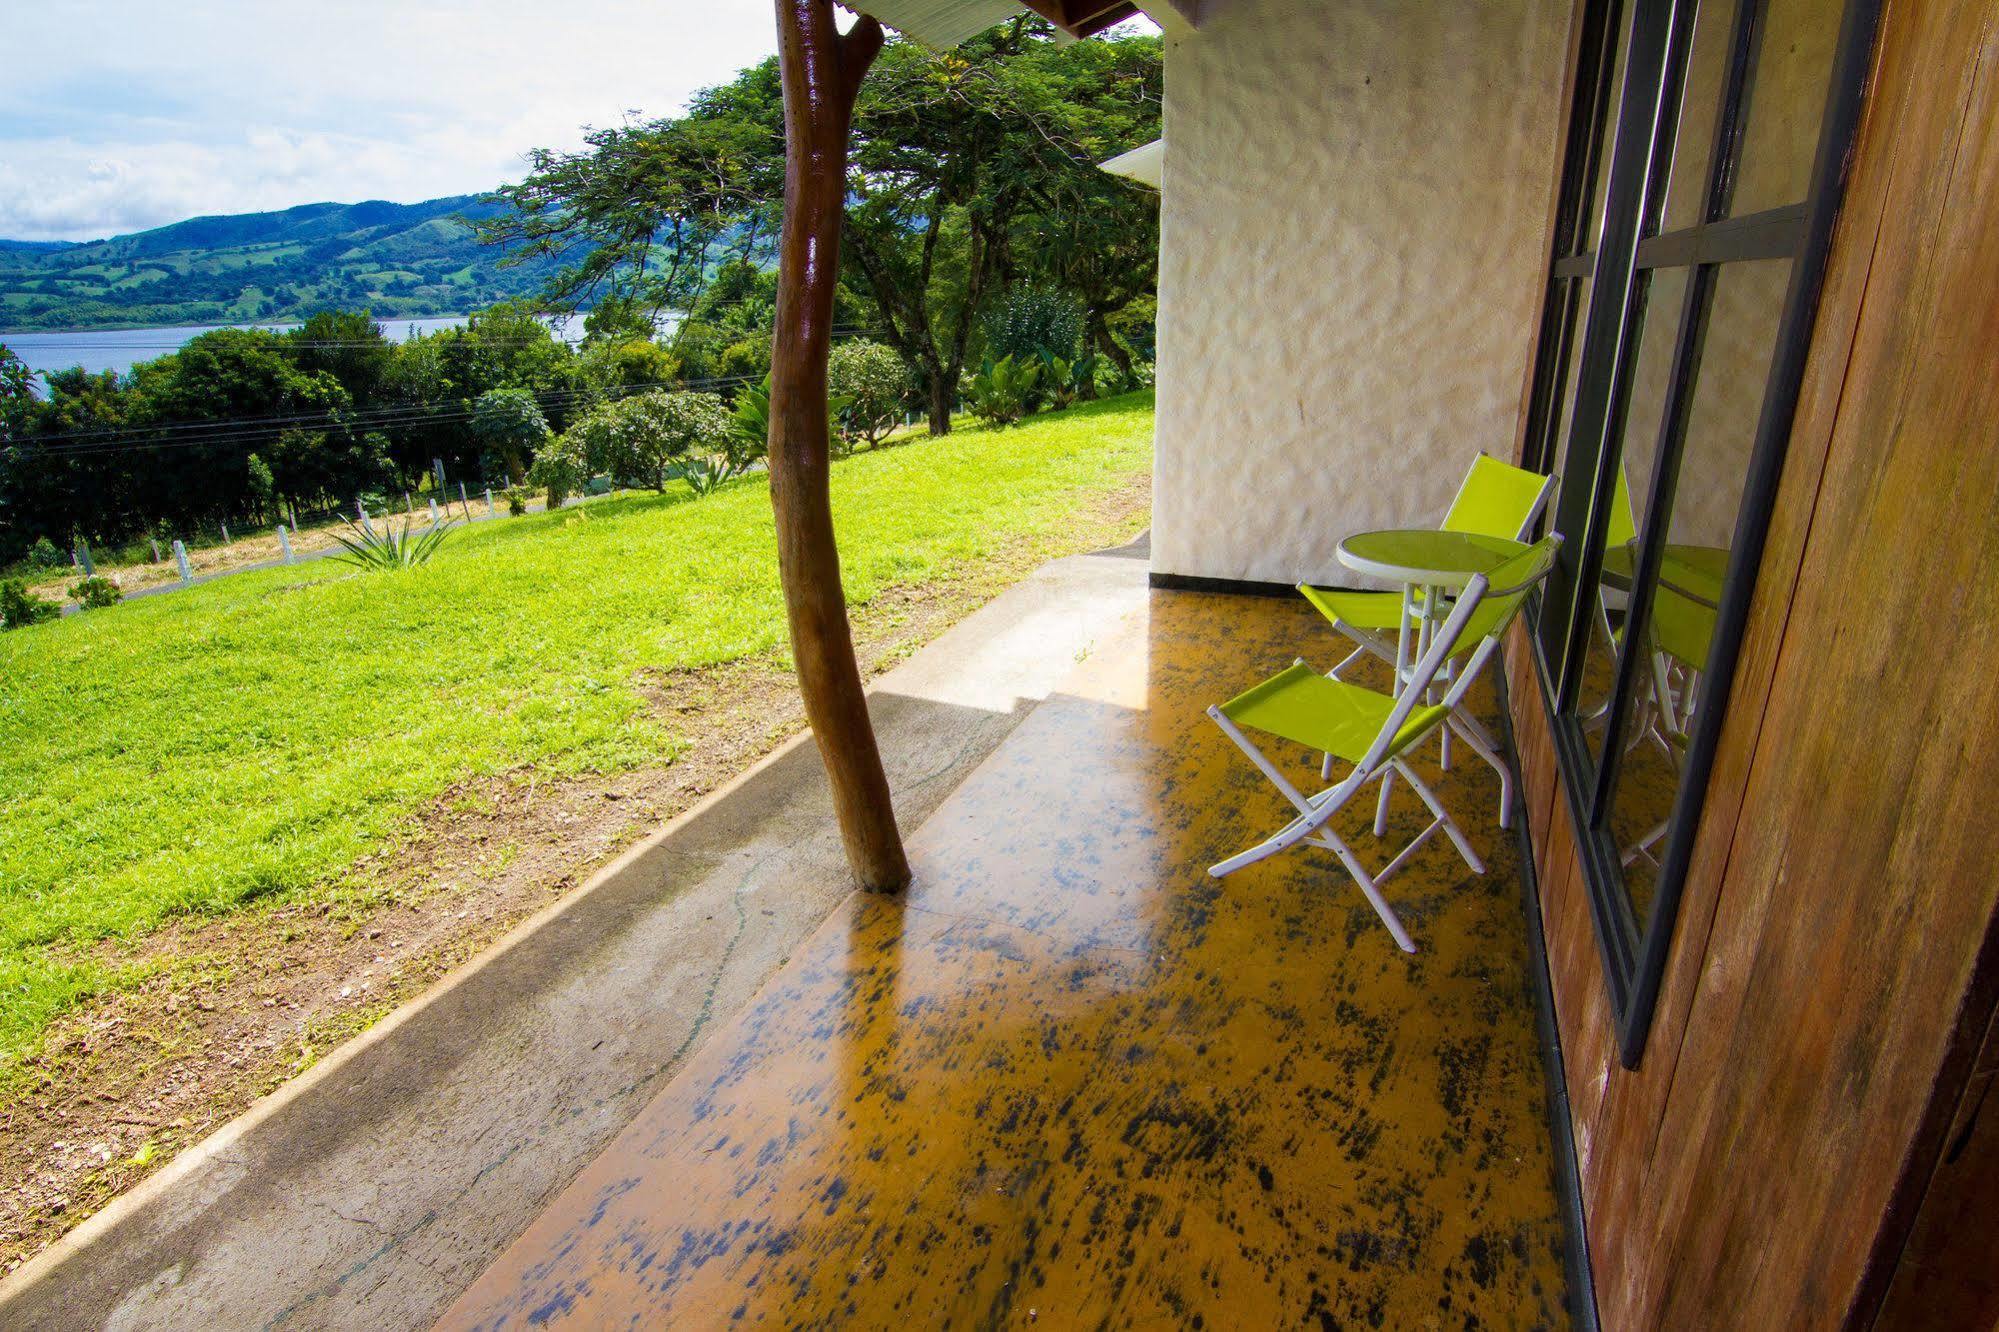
[1071, 1080]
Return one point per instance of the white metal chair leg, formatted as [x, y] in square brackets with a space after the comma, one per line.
[1491, 756]
[1443, 816]
[1348, 660]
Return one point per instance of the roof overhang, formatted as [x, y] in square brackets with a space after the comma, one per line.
[1142, 164]
[942, 24]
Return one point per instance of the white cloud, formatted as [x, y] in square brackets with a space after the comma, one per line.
[121, 116]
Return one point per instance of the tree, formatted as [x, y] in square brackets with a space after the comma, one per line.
[509, 423]
[560, 469]
[639, 439]
[822, 73]
[868, 382]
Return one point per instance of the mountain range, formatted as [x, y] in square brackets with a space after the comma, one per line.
[395, 260]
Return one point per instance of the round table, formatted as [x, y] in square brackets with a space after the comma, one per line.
[1425, 557]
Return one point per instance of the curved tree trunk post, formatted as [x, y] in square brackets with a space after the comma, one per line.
[821, 72]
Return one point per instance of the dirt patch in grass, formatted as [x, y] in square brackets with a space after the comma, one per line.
[224, 1010]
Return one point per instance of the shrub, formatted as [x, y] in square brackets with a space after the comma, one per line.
[871, 382]
[95, 593]
[19, 607]
[639, 439]
[1029, 322]
[44, 555]
[560, 469]
[1064, 381]
[517, 504]
[371, 548]
[999, 393]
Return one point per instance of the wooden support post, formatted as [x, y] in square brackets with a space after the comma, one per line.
[821, 72]
[285, 542]
[180, 558]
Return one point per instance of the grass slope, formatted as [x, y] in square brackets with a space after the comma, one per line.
[253, 736]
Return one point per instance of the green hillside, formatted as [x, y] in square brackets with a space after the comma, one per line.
[396, 260]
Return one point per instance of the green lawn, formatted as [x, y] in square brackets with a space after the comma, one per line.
[254, 735]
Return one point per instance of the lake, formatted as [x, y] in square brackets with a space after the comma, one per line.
[121, 348]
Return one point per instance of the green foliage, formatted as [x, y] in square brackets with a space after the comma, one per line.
[142, 782]
[372, 548]
[508, 421]
[95, 593]
[1063, 382]
[639, 439]
[872, 383]
[999, 394]
[1031, 323]
[44, 555]
[517, 504]
[560, 469]
[19, 607]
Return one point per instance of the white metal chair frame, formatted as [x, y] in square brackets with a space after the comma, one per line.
[1383, 757]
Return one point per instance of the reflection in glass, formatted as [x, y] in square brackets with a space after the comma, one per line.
[1664, 296]
[1700, 106]
[1564, 389]
[1606, 133]
[1740, 340]
[1786, 100]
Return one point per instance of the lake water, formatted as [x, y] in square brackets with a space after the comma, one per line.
[121, 348]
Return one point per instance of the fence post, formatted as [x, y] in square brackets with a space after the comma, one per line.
[180, 558]
[225, 531]
[409, 502]
[491, 512]
[83, 560]
[464, 503]
[156, 549]
[285, 543]
[433, 513]
[437, 466]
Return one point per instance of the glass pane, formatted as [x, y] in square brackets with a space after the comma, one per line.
[1664, 298]
[1714, 467]
[1606, 133]
[1700, 108]
[1786, 102]
[1563, 390]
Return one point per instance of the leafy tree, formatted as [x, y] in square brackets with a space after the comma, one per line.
[640, 439]
[508, 421]
[871, 382]
[628, 366]
[1032, 323]
[561, 468]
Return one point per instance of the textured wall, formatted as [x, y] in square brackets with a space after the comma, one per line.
[1353, 227]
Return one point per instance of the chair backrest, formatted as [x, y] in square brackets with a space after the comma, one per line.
[1683, 623]
[1481, 614]
[1498, 499]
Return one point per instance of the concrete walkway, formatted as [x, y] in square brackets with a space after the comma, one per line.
[370, 1192]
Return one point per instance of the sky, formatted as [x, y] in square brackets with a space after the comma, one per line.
[116, 117]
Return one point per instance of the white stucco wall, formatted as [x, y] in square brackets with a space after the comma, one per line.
[1353, 220]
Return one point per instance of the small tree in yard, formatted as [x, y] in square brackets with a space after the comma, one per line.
[560, 468]
[871, 382]
[509, 423]
[642, 439]
[1001, 393]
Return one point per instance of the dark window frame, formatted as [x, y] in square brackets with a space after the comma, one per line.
[1640, 146]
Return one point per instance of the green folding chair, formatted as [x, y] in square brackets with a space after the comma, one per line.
[1374, 732]
[1495, 499]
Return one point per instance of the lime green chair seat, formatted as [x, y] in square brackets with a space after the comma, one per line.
[1379, 611]
[1303, 706]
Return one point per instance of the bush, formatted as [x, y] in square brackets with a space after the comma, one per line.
[44, 555]
[1064, 381]
[640, 439]
[517, 504]
[560, 468]
[871, 382]
[999, 393]
[1028, 323]
[19, 607]
[95, 593]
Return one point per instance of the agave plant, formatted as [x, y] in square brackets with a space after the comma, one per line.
[386, 548]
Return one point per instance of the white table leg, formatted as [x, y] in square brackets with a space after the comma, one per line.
[1401, 673]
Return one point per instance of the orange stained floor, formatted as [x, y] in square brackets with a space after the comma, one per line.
[1071, 1081]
